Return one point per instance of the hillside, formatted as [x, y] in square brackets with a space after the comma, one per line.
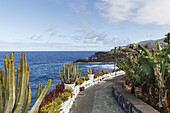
[110, 56]
[151, 42]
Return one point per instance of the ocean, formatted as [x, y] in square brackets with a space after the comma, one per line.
[45, 65]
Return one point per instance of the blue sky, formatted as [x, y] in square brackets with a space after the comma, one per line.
[80, 25]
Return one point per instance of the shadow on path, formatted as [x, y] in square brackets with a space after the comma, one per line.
[97, 99]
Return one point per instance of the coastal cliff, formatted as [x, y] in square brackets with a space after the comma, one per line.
[110, 56]
[107, 56]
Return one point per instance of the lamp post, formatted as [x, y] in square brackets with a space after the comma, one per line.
[116, 56]
[115, 59]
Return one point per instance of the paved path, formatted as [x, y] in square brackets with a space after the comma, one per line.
[98, 99]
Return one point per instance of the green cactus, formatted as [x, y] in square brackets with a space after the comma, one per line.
[11, 98]
[69, 73]
[89, 71]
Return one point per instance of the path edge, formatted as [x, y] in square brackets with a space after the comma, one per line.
[128, 102]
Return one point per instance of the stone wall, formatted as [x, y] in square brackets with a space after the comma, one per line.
[128, 102]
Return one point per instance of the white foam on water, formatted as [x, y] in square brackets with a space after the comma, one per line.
[105, 66]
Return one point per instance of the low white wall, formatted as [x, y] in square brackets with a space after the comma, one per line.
[68, 104]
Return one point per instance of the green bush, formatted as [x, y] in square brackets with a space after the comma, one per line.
[70, 90]
[87, 78]
[56, 104]
[105, 72]
[46, 108]
[96, 75]
[58, 101]
[83, 78]
[79, 81]
[113, 70]
[117, 69]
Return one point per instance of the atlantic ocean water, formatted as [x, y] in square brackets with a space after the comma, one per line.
[45, 65]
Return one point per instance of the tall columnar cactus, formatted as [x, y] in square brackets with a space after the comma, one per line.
[89, 71]
[11, 98]
[69, 73]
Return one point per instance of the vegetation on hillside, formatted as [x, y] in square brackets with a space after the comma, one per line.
[149, 70]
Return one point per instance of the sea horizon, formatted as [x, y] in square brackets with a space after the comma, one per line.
[45, 65]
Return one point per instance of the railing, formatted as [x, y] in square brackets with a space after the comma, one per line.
[68, 104]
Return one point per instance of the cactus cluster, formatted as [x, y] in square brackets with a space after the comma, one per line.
[89, 71]
[12, 98]
[70, 73]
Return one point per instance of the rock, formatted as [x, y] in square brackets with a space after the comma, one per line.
[102, 57]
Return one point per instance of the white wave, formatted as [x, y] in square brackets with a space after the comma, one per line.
[105, 66]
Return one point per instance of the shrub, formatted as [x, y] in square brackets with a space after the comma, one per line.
[46, 108]
[83, 78]
[70, 90]
[67, 95]
[101, 74]
[79, 81]
[87, 78]
[58, 101]
[117, 69]
[64, 96]
[113, 70]
[96, 75]
[105, 72]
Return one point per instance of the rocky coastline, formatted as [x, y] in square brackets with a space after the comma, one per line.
[104, 56]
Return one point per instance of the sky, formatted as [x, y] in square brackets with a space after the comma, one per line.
[80, 25]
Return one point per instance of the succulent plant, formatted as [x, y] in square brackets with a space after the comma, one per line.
[87, 78]
[55, 105]
[70, 90]
[11, 98]
[113, 70]
[69, 73]
[79, 81]
[89, 71]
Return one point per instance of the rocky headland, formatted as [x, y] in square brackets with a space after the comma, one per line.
[106, 56]
[110, 56]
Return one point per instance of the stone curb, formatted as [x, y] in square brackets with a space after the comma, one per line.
[128, 102]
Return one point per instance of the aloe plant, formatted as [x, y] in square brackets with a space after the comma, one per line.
[70, 73]
[12, 98]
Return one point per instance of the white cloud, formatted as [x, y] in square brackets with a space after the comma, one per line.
[150, 35]
[52, 30]
[90, 36]
[154, 12]
[94, 40]
[35, 37]
[117, 41]
[78, 5]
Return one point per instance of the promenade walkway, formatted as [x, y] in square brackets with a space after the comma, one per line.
[97, 99]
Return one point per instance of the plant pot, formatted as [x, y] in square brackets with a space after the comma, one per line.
[69, 85]
[91, 77]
